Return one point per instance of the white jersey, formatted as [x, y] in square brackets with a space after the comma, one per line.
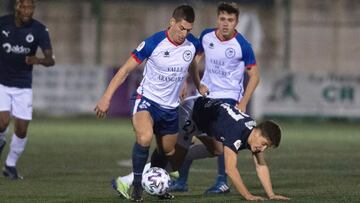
[166, 67]
[225, 63]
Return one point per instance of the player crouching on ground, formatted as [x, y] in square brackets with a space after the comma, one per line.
[227, 131]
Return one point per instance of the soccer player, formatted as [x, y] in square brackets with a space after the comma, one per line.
[215, 117]
[20, 37]
[228, 57]
[168, 55]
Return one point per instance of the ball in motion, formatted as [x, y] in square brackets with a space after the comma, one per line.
[155, 181]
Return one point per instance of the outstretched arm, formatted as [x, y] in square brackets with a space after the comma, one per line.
[263, 173]
[233, 173]
[103, 104]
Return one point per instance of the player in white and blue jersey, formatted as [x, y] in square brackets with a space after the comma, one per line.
[168, 55]
[210, 120]
[228, 57]
[20, 37]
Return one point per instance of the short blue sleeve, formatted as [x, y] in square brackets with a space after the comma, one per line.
[145, 49]
[194, 41]
[247, 52]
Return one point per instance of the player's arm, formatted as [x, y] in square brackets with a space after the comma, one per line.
[47, 61]
[263, 173]
[254, 79]
[233, 173]
[103, 104]
[194, 72]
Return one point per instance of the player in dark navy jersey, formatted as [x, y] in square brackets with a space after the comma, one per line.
[20, 37]
[232, 131]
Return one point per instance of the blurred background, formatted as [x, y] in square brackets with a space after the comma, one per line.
[307, 51]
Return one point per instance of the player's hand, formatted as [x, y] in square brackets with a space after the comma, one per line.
[278, 197]
[32, 60]
[254, 198]
[102, 107]
[241, 106]
[203, 90]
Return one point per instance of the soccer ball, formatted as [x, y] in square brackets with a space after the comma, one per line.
[155, 181]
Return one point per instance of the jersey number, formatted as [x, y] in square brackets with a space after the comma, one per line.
[188, 127]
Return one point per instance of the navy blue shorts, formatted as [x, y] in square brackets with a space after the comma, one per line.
[232, 102]
[166, 121]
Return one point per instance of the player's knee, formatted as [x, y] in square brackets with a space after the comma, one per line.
[21, 132]
[144, 139]
[169, 151]
[4, 123]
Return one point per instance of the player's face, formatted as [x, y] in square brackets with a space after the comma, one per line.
[24, 10]
[259, 143]
[226, 24]
[179, 30]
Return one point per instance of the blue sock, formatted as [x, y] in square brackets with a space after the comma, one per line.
[184, 172]
[221, 169]
[139, 157]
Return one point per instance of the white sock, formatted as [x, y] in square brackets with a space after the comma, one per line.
[17, 146]
[198, 151]
[3, 134]
[128, 179]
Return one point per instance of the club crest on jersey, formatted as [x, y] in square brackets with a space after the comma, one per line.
[141, 46]
[230, 53]
[211, 45]
[166, 54]
[187, 55]
[237, 144]
[29, 38]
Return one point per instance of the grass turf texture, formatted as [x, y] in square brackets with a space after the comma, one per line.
[73, 160]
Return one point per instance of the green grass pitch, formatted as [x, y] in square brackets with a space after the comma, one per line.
[74, 159]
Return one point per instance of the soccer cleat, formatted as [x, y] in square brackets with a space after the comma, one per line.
[11, 172]
[121, 188]
[174, 175]
[136, 195]
[166, 196]
[2, 145]
[218, 188]
[177, 186]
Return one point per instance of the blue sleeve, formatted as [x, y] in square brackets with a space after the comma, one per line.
[247, 51]
[195, 42]
[203, 33]
[145, 49]
[44, 38]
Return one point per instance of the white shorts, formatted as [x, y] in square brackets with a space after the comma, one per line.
[18, 101]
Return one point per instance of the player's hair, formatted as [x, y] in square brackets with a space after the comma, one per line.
[271, 131]
[184, 12]
[230, 8]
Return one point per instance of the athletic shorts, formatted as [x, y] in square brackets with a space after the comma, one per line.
[18, 101]
[187, 127]
[165, 120]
